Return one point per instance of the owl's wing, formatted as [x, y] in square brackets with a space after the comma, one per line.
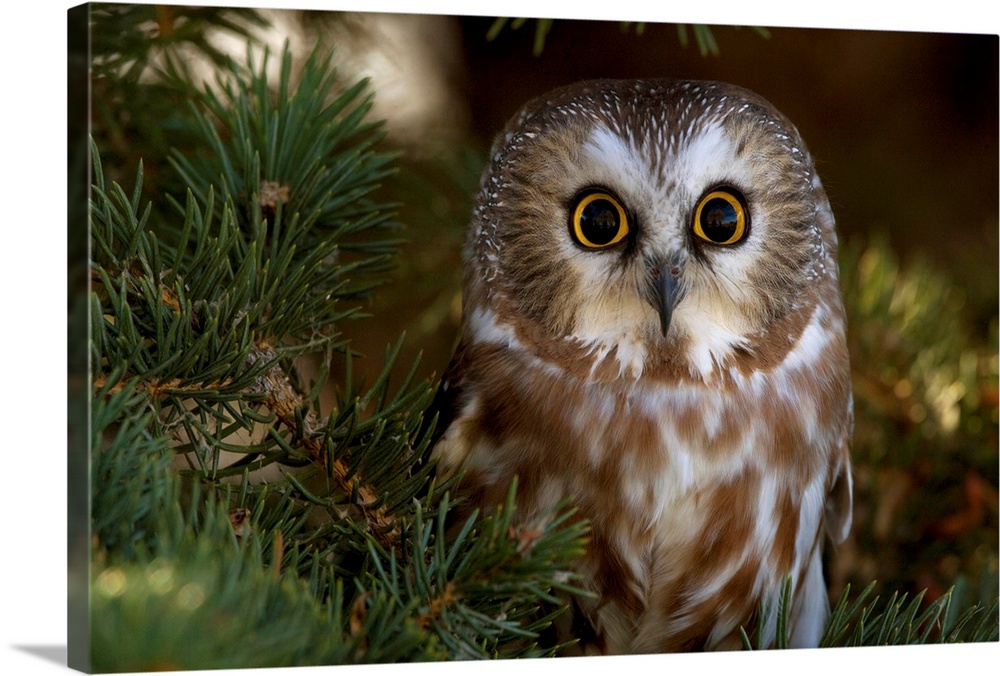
[839, 511]
[447, 398]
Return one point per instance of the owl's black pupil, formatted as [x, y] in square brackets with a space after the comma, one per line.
[599, 221]
[719, 220]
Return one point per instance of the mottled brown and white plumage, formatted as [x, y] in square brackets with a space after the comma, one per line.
[684, 378]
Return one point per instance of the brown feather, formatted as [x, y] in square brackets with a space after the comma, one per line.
[710, 460]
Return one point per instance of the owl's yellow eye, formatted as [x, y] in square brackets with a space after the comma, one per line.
[599, 220]
[721, 217]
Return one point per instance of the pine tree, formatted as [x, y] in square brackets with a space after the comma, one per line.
[214, 324]
[236, 496]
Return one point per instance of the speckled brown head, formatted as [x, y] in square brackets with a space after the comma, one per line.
[671, 171]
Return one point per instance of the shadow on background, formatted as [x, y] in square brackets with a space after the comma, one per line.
[50, 653]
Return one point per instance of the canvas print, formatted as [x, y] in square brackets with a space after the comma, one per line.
[409, 337]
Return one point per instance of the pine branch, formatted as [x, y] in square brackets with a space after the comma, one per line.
[898, 620]
[295, 150]
[129, 38]
[219, 601]
[143, 69]
[482, 588]
[129, 471]
[702, 33]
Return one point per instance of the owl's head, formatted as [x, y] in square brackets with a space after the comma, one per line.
[649, 227]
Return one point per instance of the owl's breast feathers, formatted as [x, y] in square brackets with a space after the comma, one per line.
[700, 423]
[702, 497]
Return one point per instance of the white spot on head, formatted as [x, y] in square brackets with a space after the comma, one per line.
[707, 155]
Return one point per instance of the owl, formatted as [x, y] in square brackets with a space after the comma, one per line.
[653, 327]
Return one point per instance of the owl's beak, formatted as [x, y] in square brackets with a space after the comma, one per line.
[665, 292]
